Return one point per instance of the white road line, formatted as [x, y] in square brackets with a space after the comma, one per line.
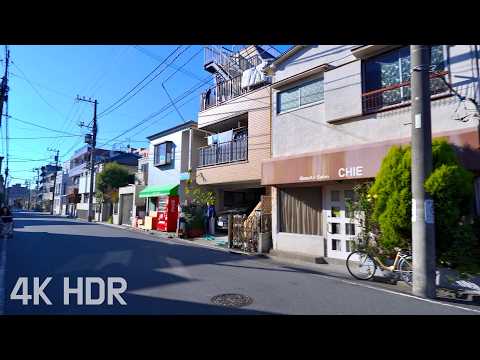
[3, 271]
[399, 293]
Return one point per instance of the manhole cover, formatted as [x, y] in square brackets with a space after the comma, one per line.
[232, 300]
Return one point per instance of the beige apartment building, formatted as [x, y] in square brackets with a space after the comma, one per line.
[235, 118]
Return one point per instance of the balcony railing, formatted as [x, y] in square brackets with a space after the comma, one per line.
[228, 60]
[222, 153]
[222, 92]
[399, 94]
[225, 91]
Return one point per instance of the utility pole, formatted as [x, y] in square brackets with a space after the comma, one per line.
[423, 226]
[4, 99]
[4, 84]
[54, 180]
[36, 188]
[92, 141]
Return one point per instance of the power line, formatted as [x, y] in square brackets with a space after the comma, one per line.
[40, 85]
[140, 82]
[40, 126]
[97, 83]
[38, 92]
[165, 107]
[140, 89]
[148, 53]
[43, 137]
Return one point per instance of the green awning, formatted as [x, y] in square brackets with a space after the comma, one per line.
[153, 191]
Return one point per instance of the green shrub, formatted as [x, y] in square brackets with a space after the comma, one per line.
[450, 186]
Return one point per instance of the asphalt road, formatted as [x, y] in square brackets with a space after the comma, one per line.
[168, 276]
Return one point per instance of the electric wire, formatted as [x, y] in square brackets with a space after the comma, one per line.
[105, 113]
[140, 82]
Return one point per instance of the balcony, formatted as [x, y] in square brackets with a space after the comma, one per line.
[399, 94]
[218, 59]
[224, 153]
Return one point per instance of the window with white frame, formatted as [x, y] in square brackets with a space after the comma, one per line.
[305, 94]
[163, 153]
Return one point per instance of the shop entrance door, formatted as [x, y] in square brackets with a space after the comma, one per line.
[127, 203]
[341, 227]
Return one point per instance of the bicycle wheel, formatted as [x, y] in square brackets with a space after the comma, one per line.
[405, 270]
[361, 265]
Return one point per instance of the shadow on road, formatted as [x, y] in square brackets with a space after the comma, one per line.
[139, 260]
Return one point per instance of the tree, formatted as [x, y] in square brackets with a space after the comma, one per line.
[112, 177]
[198, 195]
[451, 187]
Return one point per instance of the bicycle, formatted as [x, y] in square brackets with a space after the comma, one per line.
[362, 265]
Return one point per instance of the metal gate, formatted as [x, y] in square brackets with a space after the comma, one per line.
[127, 203]
[246, 231]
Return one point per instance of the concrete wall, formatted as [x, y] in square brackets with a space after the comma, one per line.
[137, 201]
[257, 104]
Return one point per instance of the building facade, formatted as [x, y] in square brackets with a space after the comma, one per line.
[60, 204]
[18, 196]
[336, 111]
[46, 187]
[235, 117]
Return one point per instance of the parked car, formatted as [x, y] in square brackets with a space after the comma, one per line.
[222, 216]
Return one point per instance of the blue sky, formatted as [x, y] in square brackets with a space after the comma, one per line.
[45, 80]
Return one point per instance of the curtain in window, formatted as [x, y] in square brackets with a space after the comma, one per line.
[394, 68]
[437, 85]
[390, 75]
[301, 210]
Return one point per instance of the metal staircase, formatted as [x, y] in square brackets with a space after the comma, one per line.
[226, 63]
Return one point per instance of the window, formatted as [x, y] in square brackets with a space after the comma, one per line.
[163, 153]
[334, 228]
[350, 229]
[336, 245]
[350, 195]
[393, 68]
[350, 245]
[301, 210]
[335, 211]
[335, 195]
[304, 94]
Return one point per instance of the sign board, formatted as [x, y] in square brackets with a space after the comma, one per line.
[184, 176]
[429, 212]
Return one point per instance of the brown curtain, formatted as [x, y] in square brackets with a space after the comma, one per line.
[301, 210]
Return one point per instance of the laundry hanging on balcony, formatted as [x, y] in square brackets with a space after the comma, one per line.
[225, 136]
[254, 75]
[212, 139]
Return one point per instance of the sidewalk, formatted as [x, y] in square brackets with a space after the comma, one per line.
[336, 269]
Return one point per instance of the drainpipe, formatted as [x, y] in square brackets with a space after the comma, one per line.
[190, 138]
[477, 57]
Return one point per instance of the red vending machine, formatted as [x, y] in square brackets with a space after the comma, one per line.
[167, 213]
